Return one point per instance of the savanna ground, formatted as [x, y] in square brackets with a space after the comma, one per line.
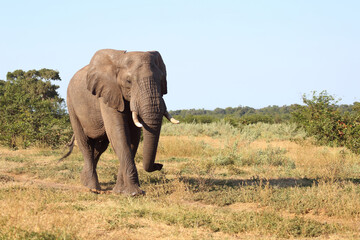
[218, 182]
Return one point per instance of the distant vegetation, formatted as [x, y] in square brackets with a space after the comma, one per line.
[33, 113]
[236, 116]
[320, 116]
[244, 115]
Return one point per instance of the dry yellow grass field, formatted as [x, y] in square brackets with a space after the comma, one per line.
[213, 186]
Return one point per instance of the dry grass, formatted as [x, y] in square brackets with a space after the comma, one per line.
[211, 187]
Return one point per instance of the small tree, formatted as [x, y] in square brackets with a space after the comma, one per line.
[31, 110]
[321, 118]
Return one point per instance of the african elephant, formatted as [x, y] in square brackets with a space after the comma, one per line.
[110, 100]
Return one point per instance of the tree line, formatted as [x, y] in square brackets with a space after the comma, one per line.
[247, 115]
[33, 113]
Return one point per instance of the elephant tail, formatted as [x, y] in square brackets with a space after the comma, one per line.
[71, 146]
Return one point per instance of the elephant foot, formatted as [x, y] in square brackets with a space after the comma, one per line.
[158, 166]
[128, 191]
[154, 167]
[90, 181]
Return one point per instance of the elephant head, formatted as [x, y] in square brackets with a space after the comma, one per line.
[140, 79]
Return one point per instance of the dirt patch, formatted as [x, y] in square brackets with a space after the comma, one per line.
[28, 180]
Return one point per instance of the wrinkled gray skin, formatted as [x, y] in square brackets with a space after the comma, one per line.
[101, 98]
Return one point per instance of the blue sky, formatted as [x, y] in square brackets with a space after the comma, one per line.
[218, 53]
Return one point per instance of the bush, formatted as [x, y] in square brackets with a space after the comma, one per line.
[321, 118]
[269, 156]
[31, 111]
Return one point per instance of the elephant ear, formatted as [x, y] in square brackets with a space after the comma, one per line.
[160, 63]
[101, 82]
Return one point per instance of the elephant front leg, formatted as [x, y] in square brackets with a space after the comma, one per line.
[128, 175]
[127, 181]
[119, 133]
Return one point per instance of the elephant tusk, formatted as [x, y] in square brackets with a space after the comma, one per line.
[136, 120]
[170, 118]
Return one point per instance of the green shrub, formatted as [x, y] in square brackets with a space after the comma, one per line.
[322, 119]
[269, 156]
[31, 110]
[228, 156]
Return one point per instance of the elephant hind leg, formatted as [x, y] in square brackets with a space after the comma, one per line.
[86, 145]
[89, 177]
[98, 146]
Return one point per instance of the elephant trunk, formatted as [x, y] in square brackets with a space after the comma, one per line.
[150, 106]
[151, 134]
[148, 113]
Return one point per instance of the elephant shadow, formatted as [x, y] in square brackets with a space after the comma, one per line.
[254, 181]
[279, 182]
